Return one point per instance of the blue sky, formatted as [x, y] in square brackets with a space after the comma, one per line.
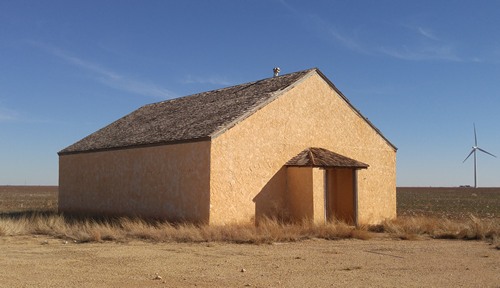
[422, 71]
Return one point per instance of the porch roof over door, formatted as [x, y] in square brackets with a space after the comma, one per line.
[319, 157]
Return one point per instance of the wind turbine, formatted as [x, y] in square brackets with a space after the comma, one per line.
[475, 148]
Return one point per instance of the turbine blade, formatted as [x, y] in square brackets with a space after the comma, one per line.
[484, 151]
[475, 136]
[469, 155]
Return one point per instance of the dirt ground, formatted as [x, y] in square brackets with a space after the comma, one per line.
[29, 261]
[41, 261]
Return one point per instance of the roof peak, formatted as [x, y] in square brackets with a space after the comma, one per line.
[323, 158]
[305, 72]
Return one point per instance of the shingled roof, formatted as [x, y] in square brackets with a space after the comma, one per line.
[319, 157]
[193, 118]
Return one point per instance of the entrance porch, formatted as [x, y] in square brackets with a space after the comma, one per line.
[322, 186]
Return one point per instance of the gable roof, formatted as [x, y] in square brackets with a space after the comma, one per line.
[319, 157]
[192, 118]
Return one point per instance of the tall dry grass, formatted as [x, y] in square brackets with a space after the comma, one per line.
[268, 230]
[471, 228]
[126, 229]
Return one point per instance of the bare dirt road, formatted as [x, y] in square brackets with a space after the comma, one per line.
[27, 261]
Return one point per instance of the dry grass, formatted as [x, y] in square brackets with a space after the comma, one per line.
[268, 231]
[126, 229]
[473, 228]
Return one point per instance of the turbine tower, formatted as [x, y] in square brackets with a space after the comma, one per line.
[475, 148]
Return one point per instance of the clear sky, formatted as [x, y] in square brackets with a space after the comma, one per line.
[422, 71]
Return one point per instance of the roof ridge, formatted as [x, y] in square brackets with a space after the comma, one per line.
[311, 155]
[246, 84]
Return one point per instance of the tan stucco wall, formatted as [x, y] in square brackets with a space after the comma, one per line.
[245, 157]
[299, 193]
[305, 194]
[318, 192]
[170, 182]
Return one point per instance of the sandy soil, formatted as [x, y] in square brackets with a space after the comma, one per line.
[46, 262]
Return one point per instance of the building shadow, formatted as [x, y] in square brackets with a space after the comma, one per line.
[270, 202]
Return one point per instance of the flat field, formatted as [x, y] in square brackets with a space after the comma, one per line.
[451, 202]
[382, 261]
[28, 198]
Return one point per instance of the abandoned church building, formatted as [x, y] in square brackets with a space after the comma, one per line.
[291, 147]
